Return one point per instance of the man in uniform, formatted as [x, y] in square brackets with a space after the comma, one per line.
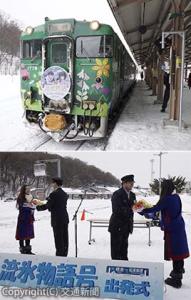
[121, 221]
[57, 205]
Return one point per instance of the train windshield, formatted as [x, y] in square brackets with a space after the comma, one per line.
[59, 53]
[31, 49]
[94, 46]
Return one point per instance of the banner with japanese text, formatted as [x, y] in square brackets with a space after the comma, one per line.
[66, 276]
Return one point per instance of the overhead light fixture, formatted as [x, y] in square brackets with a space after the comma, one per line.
[29, 30]
[94, 25]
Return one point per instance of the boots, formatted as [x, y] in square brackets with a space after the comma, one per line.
[175, 280]
[28, 250]
[174, 274]
[22, 250]
[176, 283]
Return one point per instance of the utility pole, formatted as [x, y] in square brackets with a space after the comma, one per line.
[152, 169]
[160, 168]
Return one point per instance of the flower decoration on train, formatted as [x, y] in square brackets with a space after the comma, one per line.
[82, 83]
[102, 67]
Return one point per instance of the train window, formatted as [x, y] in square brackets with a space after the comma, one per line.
[94, 46]
[37, 48]
[26, 49]
[31, 49]
[59, 53]
[108, 46]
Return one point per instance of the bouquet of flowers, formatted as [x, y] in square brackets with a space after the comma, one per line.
[39, 202]
[140, 205]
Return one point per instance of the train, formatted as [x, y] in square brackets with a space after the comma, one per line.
[73, 74]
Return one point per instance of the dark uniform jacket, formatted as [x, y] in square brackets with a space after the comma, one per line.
[57, 205]
[122, 214]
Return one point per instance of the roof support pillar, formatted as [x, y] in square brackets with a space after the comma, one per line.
[148, 75]
[177, 69]
[154, 75]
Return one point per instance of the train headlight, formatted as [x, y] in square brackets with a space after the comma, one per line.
[94, 25]
[29, 30]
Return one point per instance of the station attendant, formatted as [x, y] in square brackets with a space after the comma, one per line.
[57, 205]
[121, 221]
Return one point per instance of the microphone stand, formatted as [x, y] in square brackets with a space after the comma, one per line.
[76, 224]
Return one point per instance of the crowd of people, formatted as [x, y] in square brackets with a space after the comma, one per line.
[120, 224]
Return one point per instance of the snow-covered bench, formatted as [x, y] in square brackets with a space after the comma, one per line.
[105, 223]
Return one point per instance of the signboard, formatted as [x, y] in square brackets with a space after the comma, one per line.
[39, 169]
[59, 27]
[83, 277]
[55, 83]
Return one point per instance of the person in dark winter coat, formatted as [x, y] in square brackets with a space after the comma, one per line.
[57, 205]
[189, 81]
[175, 239]
[142, 75]
[25, 228]
[121, 221]
[167, 91]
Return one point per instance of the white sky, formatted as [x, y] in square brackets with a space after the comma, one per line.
[33, 12]
[137, 163]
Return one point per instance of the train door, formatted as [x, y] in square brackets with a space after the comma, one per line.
[59, 53]
[58, 62]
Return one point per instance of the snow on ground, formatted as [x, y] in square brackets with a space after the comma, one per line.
[43, 244]
[16, 134]
[139, 127]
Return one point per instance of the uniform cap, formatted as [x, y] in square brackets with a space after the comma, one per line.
[128, 178]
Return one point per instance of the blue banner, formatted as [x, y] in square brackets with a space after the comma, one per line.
[83, 277]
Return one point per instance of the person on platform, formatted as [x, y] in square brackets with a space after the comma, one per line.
[167, 91]
[57, 205]
[25, 227]
[189, 81]
[142, 75]
[172, 223]
[121, 221]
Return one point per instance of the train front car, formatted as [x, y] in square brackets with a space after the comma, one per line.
[67, 77]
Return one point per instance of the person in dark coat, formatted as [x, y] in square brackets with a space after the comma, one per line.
[189, 81]
[57, 205]
[142, 74]
[167, 91]
[121, 221]
[175, 239]
[25, 227]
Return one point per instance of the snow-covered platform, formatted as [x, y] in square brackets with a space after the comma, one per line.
[140, 126]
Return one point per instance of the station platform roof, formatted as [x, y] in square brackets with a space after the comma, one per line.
[143, 21]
